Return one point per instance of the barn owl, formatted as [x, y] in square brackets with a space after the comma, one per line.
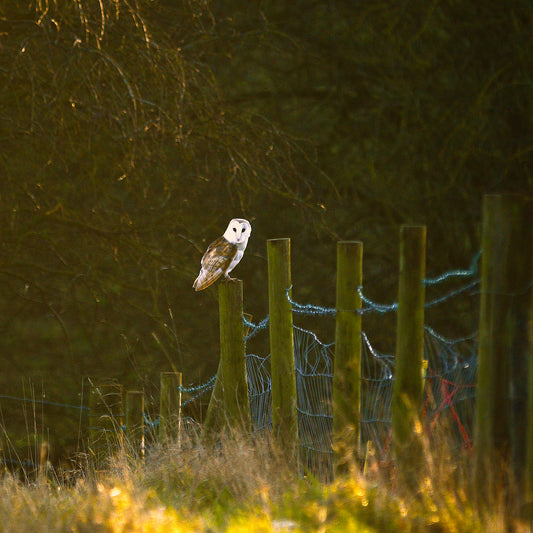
[223, 255]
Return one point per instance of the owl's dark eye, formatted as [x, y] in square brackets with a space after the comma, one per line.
[235, 230]
[243, 230]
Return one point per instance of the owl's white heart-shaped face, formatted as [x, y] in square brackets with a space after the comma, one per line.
[238, 231]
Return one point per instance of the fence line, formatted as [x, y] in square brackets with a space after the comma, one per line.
[260, 397]
[306, 419]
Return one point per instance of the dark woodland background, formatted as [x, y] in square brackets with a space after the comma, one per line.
[131, 131]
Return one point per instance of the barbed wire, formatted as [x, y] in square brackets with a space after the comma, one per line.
[309, 309]
[448, 341]
[373, 306]
[472, 270]
[256, 328]
[200, 390]
[150, 423]
[195, 388]
[451, 294]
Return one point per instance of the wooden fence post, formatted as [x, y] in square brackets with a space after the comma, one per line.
[529, 440]
[506, 277]
[347, 374]
[407, 392]
[105, 420]
[135, 421]
[170, 407]
[284, 406]
[44, 462]
[230, 405]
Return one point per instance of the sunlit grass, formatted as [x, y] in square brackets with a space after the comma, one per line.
[243, 485]
[108, 506]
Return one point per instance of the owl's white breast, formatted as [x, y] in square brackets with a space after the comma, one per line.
[241, 246]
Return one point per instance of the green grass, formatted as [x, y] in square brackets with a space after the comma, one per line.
[244, 485]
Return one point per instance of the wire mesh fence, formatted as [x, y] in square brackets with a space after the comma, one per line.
[449, 392]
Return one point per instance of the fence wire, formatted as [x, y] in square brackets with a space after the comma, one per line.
[449, 383]
[449, 391]
[449, 394]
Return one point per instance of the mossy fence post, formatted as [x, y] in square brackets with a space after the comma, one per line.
[44, 462]
[229, 406]
[407, 392]
[347, 373]
[106, 414]
[284, 403]
[135, 421]
[170, 406]
[501, 404]
[529, 439]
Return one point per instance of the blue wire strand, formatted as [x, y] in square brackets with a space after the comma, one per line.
[309, 309]
[44, 402]
[471, 271]
[372, 306]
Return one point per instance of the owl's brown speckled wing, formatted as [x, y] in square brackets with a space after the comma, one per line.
[215, 262]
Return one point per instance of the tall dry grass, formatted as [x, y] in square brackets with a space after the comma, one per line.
[244, 483]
